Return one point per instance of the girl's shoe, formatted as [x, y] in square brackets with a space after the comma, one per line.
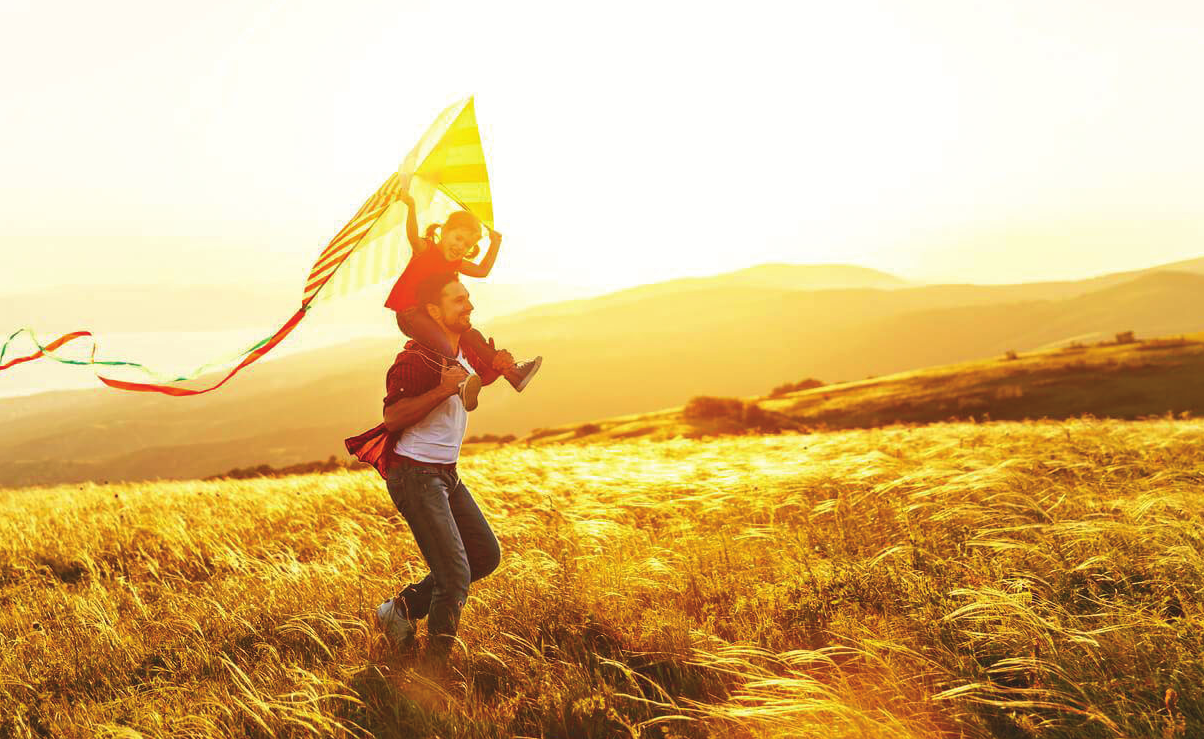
[521, 373]
[469, 389]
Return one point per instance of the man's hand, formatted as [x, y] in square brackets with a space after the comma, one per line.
[450, 379]
[502, 361]
[495, 238]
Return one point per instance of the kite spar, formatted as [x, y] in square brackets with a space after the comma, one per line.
[445, 169]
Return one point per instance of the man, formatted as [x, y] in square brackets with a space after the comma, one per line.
[415, 450]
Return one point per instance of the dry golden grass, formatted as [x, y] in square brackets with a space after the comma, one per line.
[1006, 579]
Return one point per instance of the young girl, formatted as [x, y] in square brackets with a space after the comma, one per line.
[456, 244]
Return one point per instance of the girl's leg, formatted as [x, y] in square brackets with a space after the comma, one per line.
[480, 346]
[418, 325]
[518, 376]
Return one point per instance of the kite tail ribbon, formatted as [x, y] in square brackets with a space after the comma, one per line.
[263, 347]
[41, 350]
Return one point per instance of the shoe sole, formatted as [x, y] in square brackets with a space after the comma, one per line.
[468, 393]
[537, 363]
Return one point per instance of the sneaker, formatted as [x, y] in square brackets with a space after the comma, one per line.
[391, 615]
[469, 389]
[521, 373]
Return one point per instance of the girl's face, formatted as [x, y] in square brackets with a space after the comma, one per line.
[455, 243]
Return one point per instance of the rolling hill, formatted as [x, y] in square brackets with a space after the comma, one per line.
[1129, 380]
[625, 353]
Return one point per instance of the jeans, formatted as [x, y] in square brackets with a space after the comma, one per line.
[455, 540]
[419, 326]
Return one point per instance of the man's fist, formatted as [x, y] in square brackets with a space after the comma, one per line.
[450, 379]
[502, 361]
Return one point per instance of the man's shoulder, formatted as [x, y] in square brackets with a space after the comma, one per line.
[415, 353]
[414, 366]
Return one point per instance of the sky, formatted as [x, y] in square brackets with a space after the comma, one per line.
[225, 143]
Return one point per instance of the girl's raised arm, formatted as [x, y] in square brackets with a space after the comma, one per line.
[483, 269]
[417, 243]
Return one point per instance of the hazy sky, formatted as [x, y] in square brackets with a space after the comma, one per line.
[223, 142]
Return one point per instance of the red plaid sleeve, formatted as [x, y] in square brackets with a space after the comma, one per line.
[413, 373]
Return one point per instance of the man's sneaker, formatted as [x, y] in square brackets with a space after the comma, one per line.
[469, 389]
[521, 373]
[391, 616]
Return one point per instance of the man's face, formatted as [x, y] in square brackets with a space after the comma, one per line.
[455, 308]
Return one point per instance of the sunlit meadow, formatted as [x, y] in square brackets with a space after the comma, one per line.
[1037, 579]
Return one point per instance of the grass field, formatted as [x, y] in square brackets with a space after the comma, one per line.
[1037, 579]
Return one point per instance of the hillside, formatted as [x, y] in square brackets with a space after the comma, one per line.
[954, 581]
[609, 357]
[1107, 380]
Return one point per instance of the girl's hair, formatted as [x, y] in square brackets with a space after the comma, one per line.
[458, 219]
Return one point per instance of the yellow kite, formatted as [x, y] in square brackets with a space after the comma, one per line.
[445, 171]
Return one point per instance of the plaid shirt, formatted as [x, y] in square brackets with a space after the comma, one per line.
[414, 372]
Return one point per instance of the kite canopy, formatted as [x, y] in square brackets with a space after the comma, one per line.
[445, 170]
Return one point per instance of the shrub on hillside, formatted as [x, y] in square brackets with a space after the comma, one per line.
[1125, 337]
[757, 418]
[1011, 354]
[706, 408]
[490, 439]
[1167, 343]
[333, 464]
[736, 412]
[791, 387]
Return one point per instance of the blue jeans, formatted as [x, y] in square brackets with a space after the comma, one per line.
[455, 540]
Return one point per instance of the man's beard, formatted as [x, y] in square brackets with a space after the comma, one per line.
[460, 325]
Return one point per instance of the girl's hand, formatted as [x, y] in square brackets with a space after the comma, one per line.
[405, 196]
[494, 237]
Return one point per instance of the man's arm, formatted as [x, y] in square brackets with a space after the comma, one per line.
[407, 411]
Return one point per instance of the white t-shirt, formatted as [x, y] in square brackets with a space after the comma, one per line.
[437, 437]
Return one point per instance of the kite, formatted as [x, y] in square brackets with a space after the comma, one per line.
[445, 171]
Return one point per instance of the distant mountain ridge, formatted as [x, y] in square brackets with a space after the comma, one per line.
[653, 347]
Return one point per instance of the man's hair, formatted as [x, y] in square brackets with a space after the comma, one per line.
[430, 290]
